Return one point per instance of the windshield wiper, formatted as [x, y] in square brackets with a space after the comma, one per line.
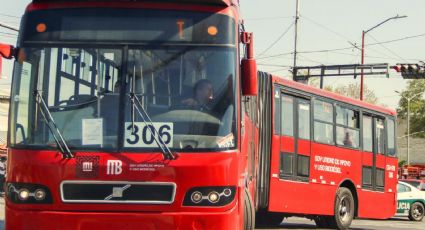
[135, 102]
[45, 112]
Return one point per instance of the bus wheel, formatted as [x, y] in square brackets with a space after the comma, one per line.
[249, 212]
[344, 209]
[416, 212]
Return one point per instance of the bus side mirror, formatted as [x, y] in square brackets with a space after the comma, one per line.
[249, 67]
[7, 51]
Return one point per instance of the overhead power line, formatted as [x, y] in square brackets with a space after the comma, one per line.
[347, 48]
[8, 34]
[328, 29]
[386, 48]
[8, 27]
[277, 40]
[266, 18]
[10, 16]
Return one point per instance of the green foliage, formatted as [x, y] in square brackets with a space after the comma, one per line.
[353, 90]
[415, 90]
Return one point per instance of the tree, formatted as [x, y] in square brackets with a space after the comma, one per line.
[415, 90]
[351, 90]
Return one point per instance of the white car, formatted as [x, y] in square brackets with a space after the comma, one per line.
[410, 201]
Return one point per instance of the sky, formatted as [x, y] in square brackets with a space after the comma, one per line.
[324, 25]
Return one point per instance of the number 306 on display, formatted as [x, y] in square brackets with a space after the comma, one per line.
[139, 134]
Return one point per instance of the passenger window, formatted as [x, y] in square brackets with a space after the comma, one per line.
[380, 137]
[367, 176]
[323, 122]
[391, 137]
[287, 115]
[303, 166]
[286, 164]
[380, 177]
[323, 111]
[367, 134]
[304, 119]
[277, 111]
[347, 131]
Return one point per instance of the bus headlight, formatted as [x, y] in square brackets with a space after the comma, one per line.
[213, 197]
[23, 193]
[39, 194]
[209, 196]
[196, 197]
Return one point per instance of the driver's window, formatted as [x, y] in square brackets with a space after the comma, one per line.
[190, 90]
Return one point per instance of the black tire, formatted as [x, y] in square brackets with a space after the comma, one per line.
[249, 212]
[416, 212]
[268, 219]
[343, 209]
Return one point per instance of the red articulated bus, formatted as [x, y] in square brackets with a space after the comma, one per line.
[326, 157]
[143, 114]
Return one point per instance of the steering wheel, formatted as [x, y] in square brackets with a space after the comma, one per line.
[71, 105]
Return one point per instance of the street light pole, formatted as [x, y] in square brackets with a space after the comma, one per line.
[408, 131]
[363, 36]
[297, 17]
[362, 74]
[408, 122]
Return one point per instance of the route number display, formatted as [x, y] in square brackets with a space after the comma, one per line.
[140, 135]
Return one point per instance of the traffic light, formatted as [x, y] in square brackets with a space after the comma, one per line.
[411, 71]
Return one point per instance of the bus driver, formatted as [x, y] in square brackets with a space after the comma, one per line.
[203, 96]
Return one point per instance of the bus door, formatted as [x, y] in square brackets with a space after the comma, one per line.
[295, 138]
[373, 160]
[294, 154]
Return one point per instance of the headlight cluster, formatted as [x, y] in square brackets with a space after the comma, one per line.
[209, 196]
[22, 193]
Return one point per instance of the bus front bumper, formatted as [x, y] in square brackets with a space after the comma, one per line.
[18, 219]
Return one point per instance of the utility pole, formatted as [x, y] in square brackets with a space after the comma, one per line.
[362, 74]
[297, 17]
[363, 35]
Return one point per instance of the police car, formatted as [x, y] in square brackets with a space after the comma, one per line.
[410, 201]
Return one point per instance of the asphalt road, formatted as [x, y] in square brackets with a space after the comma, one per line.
[400, 223]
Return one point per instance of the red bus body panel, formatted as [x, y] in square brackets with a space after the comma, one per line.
[317, 195]
[48, 168]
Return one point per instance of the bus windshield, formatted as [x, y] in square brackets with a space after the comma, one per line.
[188, 94]
[180, 68]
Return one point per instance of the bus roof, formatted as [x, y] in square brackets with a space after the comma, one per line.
[335, 96]
[208, 2]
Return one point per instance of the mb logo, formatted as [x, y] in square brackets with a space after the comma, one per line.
[87, 166]
[114, 167]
